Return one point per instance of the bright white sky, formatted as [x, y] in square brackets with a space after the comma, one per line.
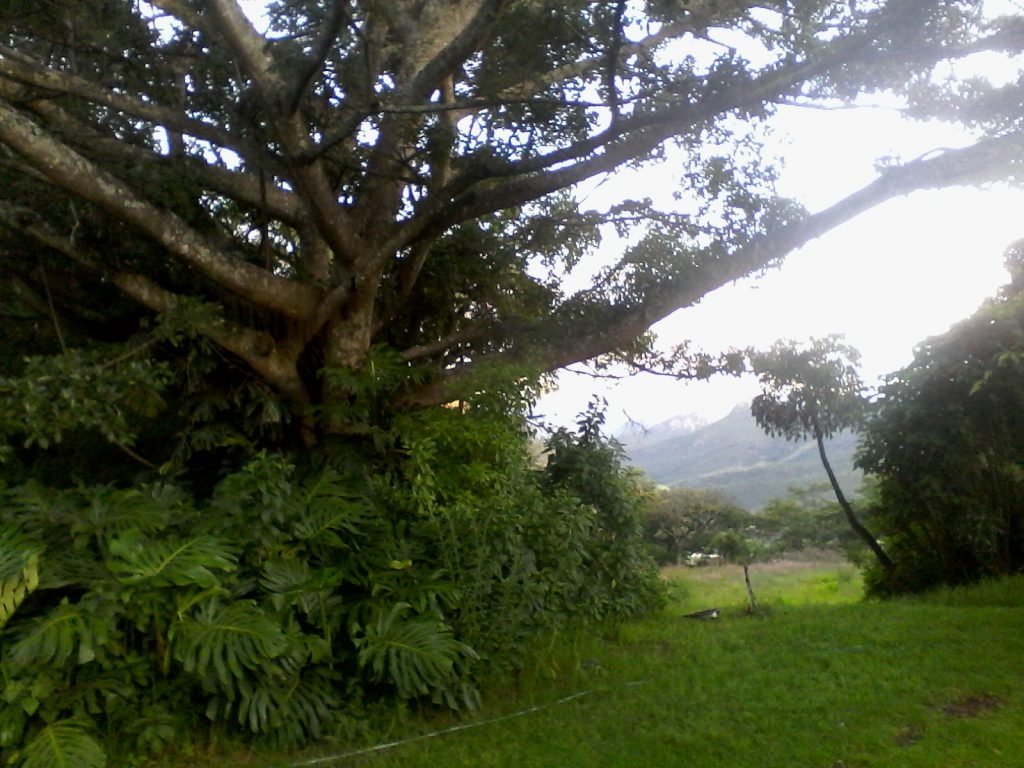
[887, 280]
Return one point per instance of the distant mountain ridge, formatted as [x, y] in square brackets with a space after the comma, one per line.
[735, 456]
[637, 435]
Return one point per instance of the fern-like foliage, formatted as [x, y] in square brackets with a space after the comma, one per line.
[260, 495]
[289, 697]
[155, 728]
[32, 506]
[64, 744]
[287, 581]
[224, 640]
[336, 513]
[136, 558]
[292, 583]
[13, 719]
[416, 654]
[111, 686]
[291, 594]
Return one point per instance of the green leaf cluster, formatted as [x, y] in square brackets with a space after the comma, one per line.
[808, 389]
[82, 389]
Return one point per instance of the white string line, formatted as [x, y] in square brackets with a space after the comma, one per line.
[451, 729]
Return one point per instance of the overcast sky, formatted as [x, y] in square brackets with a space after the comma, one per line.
[886, 280]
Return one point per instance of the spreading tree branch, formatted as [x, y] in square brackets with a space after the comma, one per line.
[336, 18]
[482, 188]
[16, 69]
[274, 361]
[253, 52]
[239, 185]
[310, 176]
[444, 45]
[984, 161]
[68, 170]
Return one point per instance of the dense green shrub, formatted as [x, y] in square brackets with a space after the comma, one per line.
[947, 447]
[289, 595]
[621, 576]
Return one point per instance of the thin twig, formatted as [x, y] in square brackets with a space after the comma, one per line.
[53, 310]
[144, 462]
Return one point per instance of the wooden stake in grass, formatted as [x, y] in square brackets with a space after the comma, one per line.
[750, 591]
[734, 547]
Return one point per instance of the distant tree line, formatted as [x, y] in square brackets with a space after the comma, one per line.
[942, 442]
[684, 525]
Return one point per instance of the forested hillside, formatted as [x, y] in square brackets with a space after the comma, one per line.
[735, 456]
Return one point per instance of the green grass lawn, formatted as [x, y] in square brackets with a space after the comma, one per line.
[819, 679]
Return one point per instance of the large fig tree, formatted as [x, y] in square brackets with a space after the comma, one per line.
[299, 186]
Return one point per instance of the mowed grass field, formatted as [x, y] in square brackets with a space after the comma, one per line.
[820, 679]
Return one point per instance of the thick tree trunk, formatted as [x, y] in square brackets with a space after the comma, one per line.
[346, 344]
[851, 517]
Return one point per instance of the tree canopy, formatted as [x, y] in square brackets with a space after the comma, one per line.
[308, 188]
[812, 391]
[946, 448]
[682, 521]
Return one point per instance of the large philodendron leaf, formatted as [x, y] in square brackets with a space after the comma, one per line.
[290, 582]
[136, 558]
[223, 640]
[106, 513]
[287, 581]
[414, 653]
[289, 709]
[65, 632]
[335, 514]
[19, 570]
[64, 744]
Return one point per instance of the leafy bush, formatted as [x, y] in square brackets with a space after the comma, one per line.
[289, 594]
[947, 447]
[621, 576]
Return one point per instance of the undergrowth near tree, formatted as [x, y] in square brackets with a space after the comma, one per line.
[291, 598]
[819, 678]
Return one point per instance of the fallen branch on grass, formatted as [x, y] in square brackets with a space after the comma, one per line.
[709, 613]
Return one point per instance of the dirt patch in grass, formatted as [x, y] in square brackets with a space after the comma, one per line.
[909, 736]
[964, 707]
[972, 706]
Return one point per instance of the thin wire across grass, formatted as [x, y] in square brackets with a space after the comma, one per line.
[818, 679]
